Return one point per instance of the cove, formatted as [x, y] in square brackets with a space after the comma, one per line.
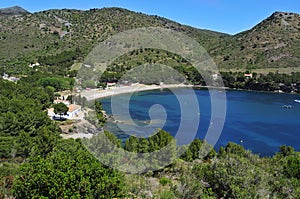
[257, 120]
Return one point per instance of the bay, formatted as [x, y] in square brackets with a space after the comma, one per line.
[256, 120]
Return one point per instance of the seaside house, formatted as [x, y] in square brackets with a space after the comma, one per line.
[74, 111]
[248, 76]
[111, 85]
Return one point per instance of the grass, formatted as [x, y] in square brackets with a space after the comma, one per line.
[76, 66]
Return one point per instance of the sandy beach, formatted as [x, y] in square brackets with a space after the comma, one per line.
[94, 94]
[97, 94]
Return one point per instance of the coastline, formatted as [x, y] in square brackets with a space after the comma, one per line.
[94, 94]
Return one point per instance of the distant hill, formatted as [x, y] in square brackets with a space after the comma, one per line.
[15, 10]
[273, 43]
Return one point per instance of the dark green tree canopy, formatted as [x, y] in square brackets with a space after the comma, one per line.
[60, 109]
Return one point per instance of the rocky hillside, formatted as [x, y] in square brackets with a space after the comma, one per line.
[273, 43]
[15, 10]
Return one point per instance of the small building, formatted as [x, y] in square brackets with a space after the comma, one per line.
[249, 76]
[51, 113]
[111, 85]
[66, 102]
[73, 112]
[33, 65]
[215, 77]
[10, 78]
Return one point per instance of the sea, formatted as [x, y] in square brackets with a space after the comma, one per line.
[259, 121]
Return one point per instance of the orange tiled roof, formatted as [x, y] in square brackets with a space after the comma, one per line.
[73, 107]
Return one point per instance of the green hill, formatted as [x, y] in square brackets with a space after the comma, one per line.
[27, 38]
[15, 10]
[273, 43]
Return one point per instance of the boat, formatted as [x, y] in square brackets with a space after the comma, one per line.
[287, 106]
[296, 100]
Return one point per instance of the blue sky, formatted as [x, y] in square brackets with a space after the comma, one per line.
[229, 16]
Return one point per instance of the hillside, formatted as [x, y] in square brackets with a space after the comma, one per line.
[15, 10]
[271, 44]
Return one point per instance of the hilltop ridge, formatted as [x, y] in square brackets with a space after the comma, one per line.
[273, 43]
[14, 10]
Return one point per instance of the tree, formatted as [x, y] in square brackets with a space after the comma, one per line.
[99, 113]
[286, 150]
[50, 91]
[69, 171]
[60, 109]
[292, 167]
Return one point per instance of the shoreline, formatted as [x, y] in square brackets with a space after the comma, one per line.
[94, 94]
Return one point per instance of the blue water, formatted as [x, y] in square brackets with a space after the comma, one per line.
[256, 118]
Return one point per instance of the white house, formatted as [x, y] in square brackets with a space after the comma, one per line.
[111, 85]
[73, 111]
[249, 76]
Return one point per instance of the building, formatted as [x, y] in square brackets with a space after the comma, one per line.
[74, 111]
[249, 76]
[33, 65]
[66, 102]
[51, 113]
[111, 85]
[10, 78]
[215, 77]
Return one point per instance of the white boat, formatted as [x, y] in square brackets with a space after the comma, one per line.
[298, 101]
[287, 106]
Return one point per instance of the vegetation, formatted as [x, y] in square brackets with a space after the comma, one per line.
[60, 109]
[268, 82]
[37, 163]
[69, 171]
[60, 38]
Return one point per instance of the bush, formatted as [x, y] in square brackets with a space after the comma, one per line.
[164, 181]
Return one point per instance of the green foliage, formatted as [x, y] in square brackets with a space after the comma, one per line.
[268, 82]
[99, 113]
[165, 194]
[58, 83]
[236, 149]
[164, 181]
[60, 109]
[292, 167]
[144, 145]
[22, 118]
[7, 172]
[67, 172]
[54, 43]
[286, 150]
